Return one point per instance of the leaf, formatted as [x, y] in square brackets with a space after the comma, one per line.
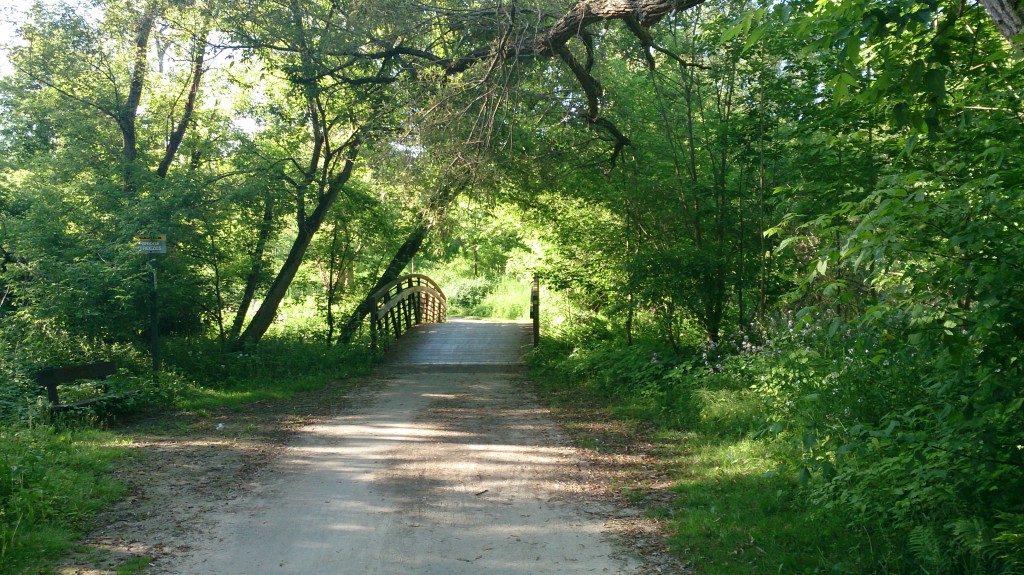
[840, 85]
[828, 470]
[754, 38]
[834, 326]
[901, 114]
[809, 441]
[908, 148]
[740, 27]
[822, 266]
[786, 243]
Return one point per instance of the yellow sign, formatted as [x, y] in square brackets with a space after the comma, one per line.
[151, 244]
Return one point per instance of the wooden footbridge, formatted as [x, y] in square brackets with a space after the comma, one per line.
[410, 300]
[415, 299]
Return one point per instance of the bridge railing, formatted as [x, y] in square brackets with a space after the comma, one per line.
[407, 301]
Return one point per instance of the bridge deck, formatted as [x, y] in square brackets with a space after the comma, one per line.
[461, 342]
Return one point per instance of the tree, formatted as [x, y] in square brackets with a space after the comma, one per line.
[88, 81]
[1009, 18]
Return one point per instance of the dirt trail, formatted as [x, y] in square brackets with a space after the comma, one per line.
[442, 464]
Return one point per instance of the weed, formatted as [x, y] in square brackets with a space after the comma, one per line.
[134, 566]
[733, 512]
[52, 481]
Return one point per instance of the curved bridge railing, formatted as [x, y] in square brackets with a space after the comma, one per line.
[407, 301]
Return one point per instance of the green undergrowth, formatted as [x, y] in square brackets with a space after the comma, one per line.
[56, 472]
[733, 509]
[52, 482]
[508, 298]
[492, 296]
[276, 370]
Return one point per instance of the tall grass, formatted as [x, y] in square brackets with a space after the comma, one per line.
[52, 481]
[491, 296]
[733, 511]
[508, 298]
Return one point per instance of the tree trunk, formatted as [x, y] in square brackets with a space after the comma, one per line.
[1009, 18]
[308, 227]
[127, 111]
[588, 12]
[408, 250]
[174, 142]
[394, 270]
[266, 227]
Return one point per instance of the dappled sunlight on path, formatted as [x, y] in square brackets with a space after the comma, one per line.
[440, 470]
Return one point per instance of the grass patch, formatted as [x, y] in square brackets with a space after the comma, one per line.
[276, 370]
[52, 482]
[55, 478]
[509, 298]
[486, 296]
[735, 514]
[134, 566]
[729, 509]
[238, 394]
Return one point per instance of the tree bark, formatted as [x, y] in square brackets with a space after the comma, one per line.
[126, 112]
[1009, 18]
[266, 226]
[589, 12]
[174, 142]
[401, 259]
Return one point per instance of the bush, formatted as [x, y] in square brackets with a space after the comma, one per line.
[509, 299]
[918, 442]
[465, 293]
[43, 345]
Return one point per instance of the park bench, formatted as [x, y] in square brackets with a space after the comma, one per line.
[51, 377]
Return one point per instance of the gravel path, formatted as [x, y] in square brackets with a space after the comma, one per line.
[442, 464]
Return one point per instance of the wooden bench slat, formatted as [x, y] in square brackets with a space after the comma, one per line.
[51, 377]
[58, 375]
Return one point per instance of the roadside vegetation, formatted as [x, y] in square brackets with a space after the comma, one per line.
[785, 237]
[56, 470]
[758, 485]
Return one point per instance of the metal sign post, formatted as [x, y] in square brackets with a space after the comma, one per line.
[535, 310]
[152, 246]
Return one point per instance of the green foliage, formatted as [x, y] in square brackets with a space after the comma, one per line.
[51, 483]
[893, 440]
[278, 368]
[465, 294]
[509, 299]
[733, 513]
[636, 380]
[26, 347]
[852, 167]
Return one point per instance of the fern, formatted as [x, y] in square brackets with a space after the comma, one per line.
[974, 545]
[1009, 542]
[926, 549]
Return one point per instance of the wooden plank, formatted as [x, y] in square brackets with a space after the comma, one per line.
[51, 377]
[58, 375]
[406, 301]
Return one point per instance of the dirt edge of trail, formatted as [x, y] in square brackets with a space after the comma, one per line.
[184, 466]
